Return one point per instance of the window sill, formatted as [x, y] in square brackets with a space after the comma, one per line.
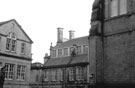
[8, 79]
[20, 80]
[116, 17]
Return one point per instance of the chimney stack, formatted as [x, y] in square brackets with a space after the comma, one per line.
[46, 58]
[71, 34]
[59, 35]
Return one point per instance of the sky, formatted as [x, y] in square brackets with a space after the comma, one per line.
[41, 18]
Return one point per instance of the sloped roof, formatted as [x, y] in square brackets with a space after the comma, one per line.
[52, 62]
[5, 22]
[77, 41]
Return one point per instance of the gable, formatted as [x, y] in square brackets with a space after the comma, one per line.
[13, 26]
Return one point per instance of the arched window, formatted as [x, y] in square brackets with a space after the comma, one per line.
[11, 42]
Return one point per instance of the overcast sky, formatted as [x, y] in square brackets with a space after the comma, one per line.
[41, 18]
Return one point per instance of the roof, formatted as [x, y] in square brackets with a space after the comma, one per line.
[78, 59]
[77, 41]
[2, 23]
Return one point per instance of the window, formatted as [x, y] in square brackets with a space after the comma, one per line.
[65, 51]
[79, 50]
[54, 75]
[46, 75]
[23, 48]
[59, 52]
[61, 74]
[85, 49]
[21, 71]
[9, 71]
[118, 7]
[11, 42]
[53, 53]
[71, 74]
[80, 73]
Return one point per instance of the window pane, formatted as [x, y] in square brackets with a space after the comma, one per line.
[114, 8]
[123, 6]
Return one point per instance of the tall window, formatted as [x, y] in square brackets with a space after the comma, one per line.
[54, 75]
[59, 52]
[9, 71]
[23, 48]
[11, 42]
[21, 71]
[65, 51]
[71, 74]
[61, 74]
[46, 75]
[118, 7]
[80, 73]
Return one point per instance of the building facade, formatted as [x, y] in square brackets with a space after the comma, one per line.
[15, 54]
[113, 35]
[68, 64]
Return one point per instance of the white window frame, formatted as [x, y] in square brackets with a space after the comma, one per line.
[80, 73]
[11, 42]
[21, 73]
[9, 71]
[71, 74]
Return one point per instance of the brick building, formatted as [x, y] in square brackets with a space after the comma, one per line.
[113, 32]
[15, 54]
[68, 64]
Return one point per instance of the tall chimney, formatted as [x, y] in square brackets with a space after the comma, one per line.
[59, 35]
[71, 34]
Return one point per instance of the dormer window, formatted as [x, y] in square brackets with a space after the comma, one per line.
[59, 52]
[11, 42]
[85, 49]
[65, 51]
[53, 53]
[118, 7]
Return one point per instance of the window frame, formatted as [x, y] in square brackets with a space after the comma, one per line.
[60, 52]
[11, 42]
[9, 71]
[118, 8]
[65, 52]
[23, 48]
[21, 73]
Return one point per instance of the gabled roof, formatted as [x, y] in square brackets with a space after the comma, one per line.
[67, 61]
[5, 22]
[77, 41]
